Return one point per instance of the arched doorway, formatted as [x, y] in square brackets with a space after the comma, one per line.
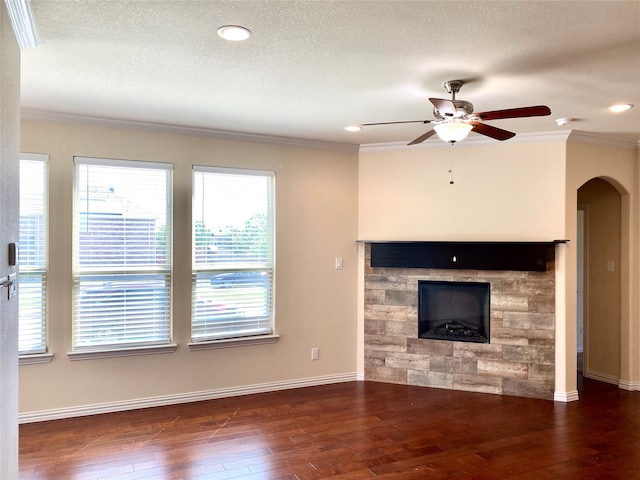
[599, 281]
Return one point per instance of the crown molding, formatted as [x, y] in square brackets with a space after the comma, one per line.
[23, 23]
[555, 136]
[87, 120]
[91, 121]
[551, 136]
[601, 139]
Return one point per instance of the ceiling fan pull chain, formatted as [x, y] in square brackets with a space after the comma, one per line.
[451, 166]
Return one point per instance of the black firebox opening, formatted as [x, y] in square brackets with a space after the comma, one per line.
[456, 311]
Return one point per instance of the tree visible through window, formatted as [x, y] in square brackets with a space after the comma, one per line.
[122, 254]
[233, 224]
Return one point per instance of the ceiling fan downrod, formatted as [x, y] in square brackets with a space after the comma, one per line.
[453, 87]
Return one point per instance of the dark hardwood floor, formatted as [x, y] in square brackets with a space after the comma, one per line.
[351, 431]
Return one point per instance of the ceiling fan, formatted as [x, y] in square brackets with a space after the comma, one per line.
[455, 118]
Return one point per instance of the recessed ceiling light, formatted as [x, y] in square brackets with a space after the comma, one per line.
[561, 122]
[235, 33]
[621, 107]
[353, 128]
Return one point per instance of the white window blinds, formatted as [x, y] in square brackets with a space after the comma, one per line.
[32, 261]
[233, 250]
[122, 254]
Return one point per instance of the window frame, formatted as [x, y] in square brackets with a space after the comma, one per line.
[41, 353]
[123, 270]
[209, 268]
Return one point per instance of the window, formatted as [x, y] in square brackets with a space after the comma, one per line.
[32, 253]
[233, 245]
[122, 254]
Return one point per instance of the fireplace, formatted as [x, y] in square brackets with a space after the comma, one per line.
[455, 311]
[517, 357]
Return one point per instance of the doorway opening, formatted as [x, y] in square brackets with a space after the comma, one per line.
[580, 310]
[599, 292]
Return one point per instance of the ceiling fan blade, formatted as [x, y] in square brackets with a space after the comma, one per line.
[535, 111]
[493, 132]
[422, 138]
[445, 107]
[393, 123]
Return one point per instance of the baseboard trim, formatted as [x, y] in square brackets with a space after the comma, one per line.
[566, 397]
[110, 407]
[630, 386]
[602, 377]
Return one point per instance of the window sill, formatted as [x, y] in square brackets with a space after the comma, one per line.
[233, 342]
[35, 358]
[124, 352]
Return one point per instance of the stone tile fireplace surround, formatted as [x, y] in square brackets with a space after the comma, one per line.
[519, 360]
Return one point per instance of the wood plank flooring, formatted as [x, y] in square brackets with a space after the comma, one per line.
[348, 431]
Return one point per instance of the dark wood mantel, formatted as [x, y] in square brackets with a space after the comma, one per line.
[518, 256]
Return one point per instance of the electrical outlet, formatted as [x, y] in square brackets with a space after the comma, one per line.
[315, 353]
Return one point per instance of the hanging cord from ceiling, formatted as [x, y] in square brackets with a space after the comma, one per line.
[451, 182]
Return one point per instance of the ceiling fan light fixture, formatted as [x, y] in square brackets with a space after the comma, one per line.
[234, 33]
[453, 131]
[561, 122]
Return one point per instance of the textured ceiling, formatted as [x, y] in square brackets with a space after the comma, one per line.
[313, 67]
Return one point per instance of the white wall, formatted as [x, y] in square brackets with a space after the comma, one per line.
[316, 221]
[9, 210]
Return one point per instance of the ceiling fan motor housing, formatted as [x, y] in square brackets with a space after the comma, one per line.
[463, 108]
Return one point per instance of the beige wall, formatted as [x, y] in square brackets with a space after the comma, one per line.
[618, 166]
[316, 221]
[512, 191]
[325, 200]
[502, 191]
[602, 244]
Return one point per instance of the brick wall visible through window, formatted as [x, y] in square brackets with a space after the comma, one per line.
[121, 254]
